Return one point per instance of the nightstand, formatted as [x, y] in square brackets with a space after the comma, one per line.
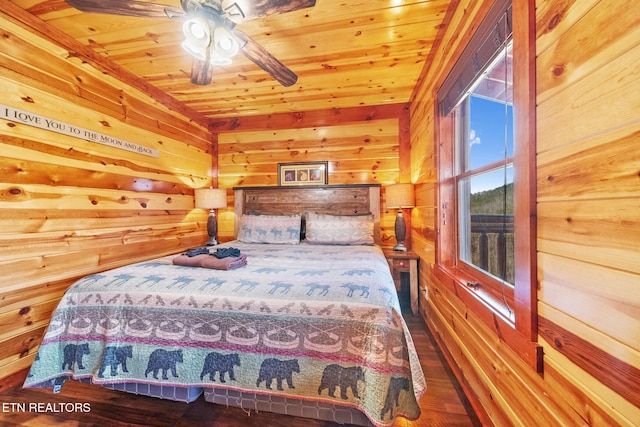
[404, 262]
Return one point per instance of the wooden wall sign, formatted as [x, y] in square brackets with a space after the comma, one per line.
[36, 120]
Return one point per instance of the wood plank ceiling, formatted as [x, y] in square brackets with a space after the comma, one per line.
[346, 53]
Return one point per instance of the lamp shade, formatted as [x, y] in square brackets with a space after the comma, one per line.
[400, 196]
[211, 198]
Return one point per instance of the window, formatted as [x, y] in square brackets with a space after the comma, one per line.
[486, 193]
[483, 172]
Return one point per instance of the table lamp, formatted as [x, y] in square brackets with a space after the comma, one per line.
[400, 196]
[211, 198]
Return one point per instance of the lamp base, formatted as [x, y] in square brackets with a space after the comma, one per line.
[212, 228]
[401, 232]
[400, 247]
[211, 242]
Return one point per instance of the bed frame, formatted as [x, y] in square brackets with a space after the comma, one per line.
[355, 199]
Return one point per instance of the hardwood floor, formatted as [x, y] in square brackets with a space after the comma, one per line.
[442, 405]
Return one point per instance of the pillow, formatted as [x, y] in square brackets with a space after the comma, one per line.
[269, 229]
[339, 229]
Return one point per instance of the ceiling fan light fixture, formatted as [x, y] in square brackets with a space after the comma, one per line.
[195, 51]
[219, 60]
[201, 18]
[224, 44]
[197, 32]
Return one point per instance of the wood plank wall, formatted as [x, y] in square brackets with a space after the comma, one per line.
[363, 145]
[70, 207]
[588, 196]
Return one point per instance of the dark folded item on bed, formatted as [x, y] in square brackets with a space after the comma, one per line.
[209, 261]
[197, 251]
[226, 252]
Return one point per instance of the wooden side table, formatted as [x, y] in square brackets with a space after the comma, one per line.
[405, 262]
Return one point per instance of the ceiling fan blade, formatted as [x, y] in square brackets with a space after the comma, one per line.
[128, 8]
[265, 60]
[260, 8]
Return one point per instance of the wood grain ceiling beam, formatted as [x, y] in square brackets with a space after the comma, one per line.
[308, 119]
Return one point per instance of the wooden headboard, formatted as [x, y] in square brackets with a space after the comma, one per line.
[331, 199]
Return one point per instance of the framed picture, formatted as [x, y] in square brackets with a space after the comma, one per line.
[308, 173]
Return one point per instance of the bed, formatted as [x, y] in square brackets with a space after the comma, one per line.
[309, 328]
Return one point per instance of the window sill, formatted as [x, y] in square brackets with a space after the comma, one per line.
[481, 293]
[489, 293]
[493, 313]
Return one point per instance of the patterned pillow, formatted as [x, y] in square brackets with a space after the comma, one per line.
[339, 229]
[270, 229]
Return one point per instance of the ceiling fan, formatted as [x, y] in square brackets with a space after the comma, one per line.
[209, 28]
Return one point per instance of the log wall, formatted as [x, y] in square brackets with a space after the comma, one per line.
[588, 198]
[363, 145]
[71, 207]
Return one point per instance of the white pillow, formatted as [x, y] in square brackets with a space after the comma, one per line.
[339, 229]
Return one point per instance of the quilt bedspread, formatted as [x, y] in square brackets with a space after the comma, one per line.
[313, 322]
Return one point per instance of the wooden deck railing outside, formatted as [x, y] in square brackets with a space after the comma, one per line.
[492, 234]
